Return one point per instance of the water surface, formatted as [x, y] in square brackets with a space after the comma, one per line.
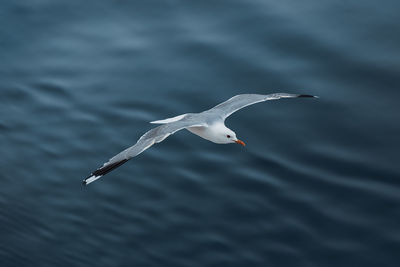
[316, 185]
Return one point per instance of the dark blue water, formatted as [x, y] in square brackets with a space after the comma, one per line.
[318, 183]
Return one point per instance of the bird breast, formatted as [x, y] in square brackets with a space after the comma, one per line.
[209, 133]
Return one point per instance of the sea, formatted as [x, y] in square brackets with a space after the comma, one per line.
[318, 183]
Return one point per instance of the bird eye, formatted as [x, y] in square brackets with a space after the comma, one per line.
[228, 136]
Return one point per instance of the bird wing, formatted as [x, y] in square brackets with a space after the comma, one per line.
[155, 135]
[225, 109]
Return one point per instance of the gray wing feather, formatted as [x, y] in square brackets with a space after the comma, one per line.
[225, 109]
[151, 137]
[155, 135]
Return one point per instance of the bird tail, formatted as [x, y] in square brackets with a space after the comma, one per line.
[176, 118]
[102, 171]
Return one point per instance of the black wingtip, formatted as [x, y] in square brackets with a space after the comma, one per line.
[106, 169]
[102, 171]
[308, 96]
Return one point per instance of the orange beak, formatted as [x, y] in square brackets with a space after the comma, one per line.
[240, 142]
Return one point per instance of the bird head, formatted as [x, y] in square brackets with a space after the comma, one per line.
[228, 136]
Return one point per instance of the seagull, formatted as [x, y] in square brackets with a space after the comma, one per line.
[209, 124]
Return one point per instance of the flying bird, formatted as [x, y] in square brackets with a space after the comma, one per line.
[209, 124]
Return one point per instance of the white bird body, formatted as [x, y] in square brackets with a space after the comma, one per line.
[209, 124]
[215, 133]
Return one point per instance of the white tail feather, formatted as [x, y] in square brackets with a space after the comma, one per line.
[177, 118]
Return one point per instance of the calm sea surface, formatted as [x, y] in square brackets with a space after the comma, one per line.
[318, 183]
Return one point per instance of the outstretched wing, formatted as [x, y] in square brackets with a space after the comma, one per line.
[155, 135]
[240, 101]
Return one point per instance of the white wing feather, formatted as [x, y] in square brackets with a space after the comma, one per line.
[151, 137]
[225, 109]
